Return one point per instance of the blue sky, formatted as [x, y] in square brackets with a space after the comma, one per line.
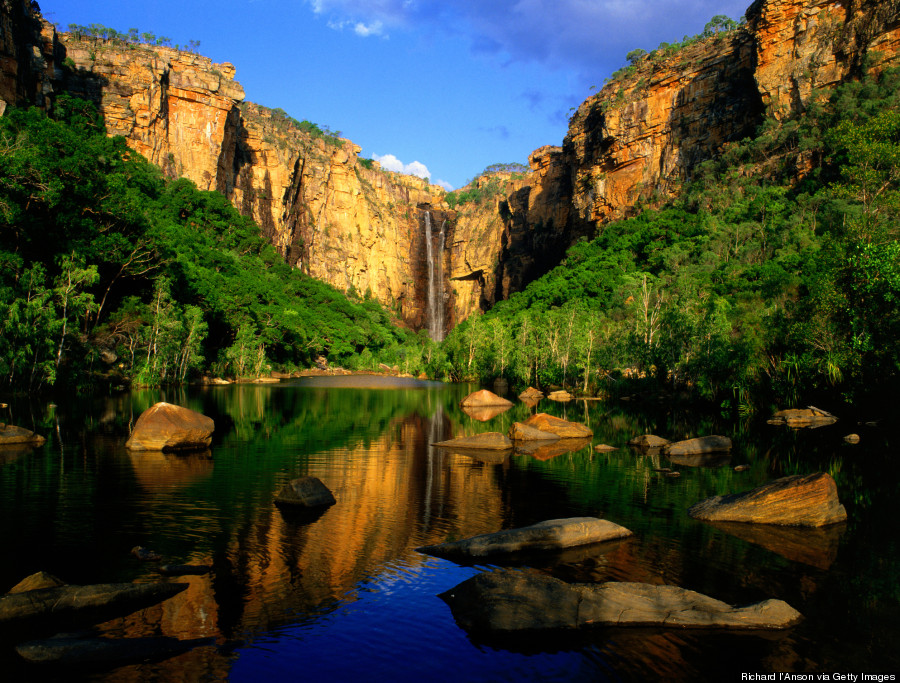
[441, 89]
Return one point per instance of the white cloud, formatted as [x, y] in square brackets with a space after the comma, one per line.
[376, 28]
[392, 163]
[443, 183]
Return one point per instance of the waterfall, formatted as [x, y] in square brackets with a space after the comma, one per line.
[435, 309]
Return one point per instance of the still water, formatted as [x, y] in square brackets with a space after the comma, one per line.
[345, 596]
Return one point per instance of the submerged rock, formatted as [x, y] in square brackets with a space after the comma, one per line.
[797, 500]
[558, 426]
[74, 649]
[494, 441]
[484, 398]
[554, 534]
[145, 554]
[184, 569]
[305, 492]
[511, 601]
[168, 427]
[700, 445]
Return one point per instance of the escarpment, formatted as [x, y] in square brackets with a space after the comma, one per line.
[365, 230]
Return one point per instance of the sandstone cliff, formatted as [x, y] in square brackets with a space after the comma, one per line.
[348, 222]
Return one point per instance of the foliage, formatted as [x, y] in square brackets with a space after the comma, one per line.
[750, 286]
[109, 267]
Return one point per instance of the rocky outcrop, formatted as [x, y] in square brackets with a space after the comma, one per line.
[554, 534]
[509, 601]
[810, 500]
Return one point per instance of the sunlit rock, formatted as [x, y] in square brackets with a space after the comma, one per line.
[519, 431]
[798, 418]
[483, 398]
[797, 500]
[648, 441]
[10, 435]
[168, 427]
[555, 425]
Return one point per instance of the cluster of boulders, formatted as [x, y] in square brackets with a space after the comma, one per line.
[506, 600]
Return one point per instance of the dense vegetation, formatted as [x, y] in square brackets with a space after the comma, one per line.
[749, 285]
[110, 271]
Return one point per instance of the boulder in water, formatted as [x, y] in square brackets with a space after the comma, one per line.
[165, 427]
[555, 425]
[796, 500]
[699, 446]
[513, 601]
[10, 435]
[483, 398]
[552, 535]
[305, 492]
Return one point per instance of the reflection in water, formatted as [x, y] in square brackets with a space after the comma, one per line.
[343, 593]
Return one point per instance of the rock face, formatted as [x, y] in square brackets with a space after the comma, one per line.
[555, 425]
[10, 435]
[797, 500]
[168, 427]
[507, 601]
[554, 534]
[484, 398]
[305, 492]
[492, 441]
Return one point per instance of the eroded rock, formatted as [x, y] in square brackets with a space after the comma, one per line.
[796, 500]
[551, 535]
[519, 431]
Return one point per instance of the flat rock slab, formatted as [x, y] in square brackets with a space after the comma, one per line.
[75, 650]
[648, 441]
[700, 445]
[65, 601]
[798, 418]
[305, 492]
[11, 435]
[797, 500]
[511, 601]
[484, 398]
[165, 427]
[554, 534]
[555, 425]
[560, 396]
[523, 432]
[491, 441]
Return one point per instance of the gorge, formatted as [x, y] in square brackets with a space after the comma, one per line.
[358, 227]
